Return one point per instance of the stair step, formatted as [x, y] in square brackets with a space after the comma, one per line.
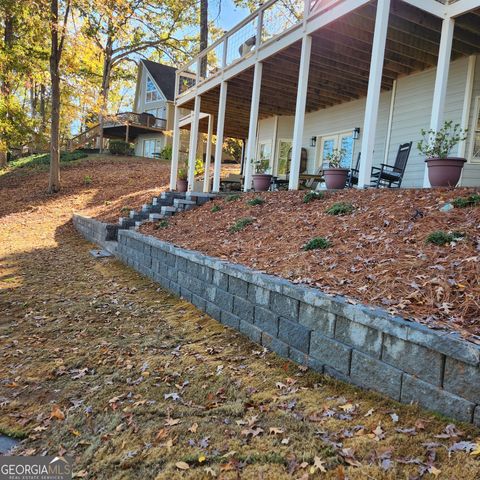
[153, 217]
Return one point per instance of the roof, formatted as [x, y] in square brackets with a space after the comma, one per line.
[164, 77]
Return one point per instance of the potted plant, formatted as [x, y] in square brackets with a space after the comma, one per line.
[182, 176]
[436, 145]
[335, 176]
[182, 179]
[261, 179]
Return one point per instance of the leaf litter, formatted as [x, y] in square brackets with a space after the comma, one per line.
[100, 364]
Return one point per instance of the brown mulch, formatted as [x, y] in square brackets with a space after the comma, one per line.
[378, 255]
[112, 183]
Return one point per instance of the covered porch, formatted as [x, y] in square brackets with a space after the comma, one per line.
[357, 53]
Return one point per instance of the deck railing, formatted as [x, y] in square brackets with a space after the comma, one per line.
[135, 119]
[273, 18]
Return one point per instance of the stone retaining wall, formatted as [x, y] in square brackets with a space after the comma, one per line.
[360, 345]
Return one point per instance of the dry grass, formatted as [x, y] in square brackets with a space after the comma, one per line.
[94, 342]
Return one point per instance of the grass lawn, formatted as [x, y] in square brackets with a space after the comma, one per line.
[101, 364]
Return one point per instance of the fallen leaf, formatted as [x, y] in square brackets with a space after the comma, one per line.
[182, 465]
[193, 428]
[318, 463]
[57, 413]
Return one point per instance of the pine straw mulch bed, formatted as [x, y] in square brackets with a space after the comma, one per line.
[101, 185]
[378, 253]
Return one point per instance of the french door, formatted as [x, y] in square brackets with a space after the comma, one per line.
[329, 143]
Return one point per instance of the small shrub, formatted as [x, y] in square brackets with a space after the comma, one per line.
[340, 208]
[232, 198]
[87, 180]
[215, 208]
[166, 153]
[440, 237]
[317, 243]
[255, 201]
[125, 210]
[161, 224]
[241, 224]
[119, 147]
[464, 202]
[312, 195]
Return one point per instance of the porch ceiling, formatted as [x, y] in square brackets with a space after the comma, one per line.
[340, 62]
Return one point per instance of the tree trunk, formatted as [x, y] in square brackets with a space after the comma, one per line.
[43, 114]
[107, 71]
[5, 84]
[54, 179]
[203, 34]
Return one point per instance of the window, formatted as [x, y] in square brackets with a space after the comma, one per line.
[160, 114]
[284, 156]
[265, 151]
[341, 140]
[476, 134]
[150, 147]
[152, 93]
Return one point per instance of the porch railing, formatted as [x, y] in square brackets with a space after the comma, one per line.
[121, 119]
[135, 119]
[272, 19]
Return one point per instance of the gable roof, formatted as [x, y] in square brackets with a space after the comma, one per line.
[164, 77]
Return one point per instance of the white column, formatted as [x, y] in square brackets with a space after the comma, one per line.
[300, 112]
[441, 81]
[373, 93]
[252, 129]
[219, 145]
[175, 149]
[208, 154]
[192, 153]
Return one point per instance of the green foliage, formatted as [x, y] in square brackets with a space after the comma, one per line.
[335, 158]
[87, 180]
[440, 237]
[232, 198]
[215, 208]
[464, 202]
[317, 243]
[241, 224]
[313, 195]
[119, 147]
[261, 165]
[43, 159]
[439, 143]
[166, 153]
[340, 208]
[125, 210]
[255, 201]
[182, 173]
[161, 224]
[233, 147]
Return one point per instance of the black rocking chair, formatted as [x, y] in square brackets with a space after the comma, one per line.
[392, 175]
[352, 178]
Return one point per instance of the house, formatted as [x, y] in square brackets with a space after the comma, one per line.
[313, 75]
[154, 95]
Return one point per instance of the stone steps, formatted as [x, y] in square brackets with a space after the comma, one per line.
[165, 205]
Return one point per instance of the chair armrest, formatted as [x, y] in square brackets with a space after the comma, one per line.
[390, 166]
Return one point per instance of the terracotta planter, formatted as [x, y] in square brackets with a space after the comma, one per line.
[444, 172]
[261, 182]
[335, 178]
[182, 185]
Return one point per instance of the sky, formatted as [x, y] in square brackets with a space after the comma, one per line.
[229, 16]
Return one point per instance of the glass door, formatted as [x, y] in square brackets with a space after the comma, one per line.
[284, 152]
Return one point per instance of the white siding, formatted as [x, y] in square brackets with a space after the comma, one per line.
[471, 171]
[411, 113]
[140, 105]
